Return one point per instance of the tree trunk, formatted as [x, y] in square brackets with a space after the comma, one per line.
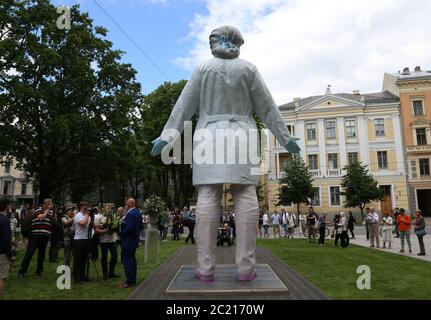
[297, 209]
[45, 190]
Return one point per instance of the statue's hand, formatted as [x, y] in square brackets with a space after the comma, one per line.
[158, 145]
[292, 146]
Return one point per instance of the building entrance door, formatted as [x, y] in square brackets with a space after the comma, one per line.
[424, 201]
[386, 203]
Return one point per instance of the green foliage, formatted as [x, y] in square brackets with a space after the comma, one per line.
[359, 187]
[297, 184]
[66, 99]
[154, 206]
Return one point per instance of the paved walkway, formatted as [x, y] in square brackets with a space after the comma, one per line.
[396, 246]
[154, 287]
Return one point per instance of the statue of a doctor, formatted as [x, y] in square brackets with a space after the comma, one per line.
[225, 91]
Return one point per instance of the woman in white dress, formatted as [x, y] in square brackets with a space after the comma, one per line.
[387, 230]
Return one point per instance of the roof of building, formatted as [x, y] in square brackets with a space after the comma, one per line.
[415, 74]
[376, 97]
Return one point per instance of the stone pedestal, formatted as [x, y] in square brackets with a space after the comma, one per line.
[226, 283]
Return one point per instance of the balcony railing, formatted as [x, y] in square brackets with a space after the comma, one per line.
[333, 172]
[315, 173]
[426, 147]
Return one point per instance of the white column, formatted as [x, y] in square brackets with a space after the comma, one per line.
[322, 146]
[277, 164]
[398, 143]
[271, 156]
[342, 142]
[300, 133]
[363, 140]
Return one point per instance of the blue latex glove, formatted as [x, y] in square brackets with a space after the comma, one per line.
[292, 146]
[158, 145]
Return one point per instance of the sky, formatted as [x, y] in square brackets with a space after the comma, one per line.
[299, 46]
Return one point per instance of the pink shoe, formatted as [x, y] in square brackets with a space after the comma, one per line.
[247, 277]
[202, 277]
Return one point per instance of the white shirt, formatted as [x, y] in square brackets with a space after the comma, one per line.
[388, 224]
[108, 237]
[265, 219]
[81, 232]
[284, 218]
[291, 217]
[373, 217]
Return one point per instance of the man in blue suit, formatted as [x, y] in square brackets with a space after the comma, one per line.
[130, 230]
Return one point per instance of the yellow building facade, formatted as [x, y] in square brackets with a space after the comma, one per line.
[335, 129]
[413, 87]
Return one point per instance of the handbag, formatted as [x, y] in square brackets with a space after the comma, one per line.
[421, 233]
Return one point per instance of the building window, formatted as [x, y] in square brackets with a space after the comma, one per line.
[379, 125]
[7, 169]
[315, 200]
[330, 130]
[312, 162]
[291, 129]
[284, 164]
[311, 132]
[382, 158]
[332, 161]
[413, 166]
[352, 157]
[418, 107]
[421, 136]
[23, 189]
[6, 187]
[335, 196]
[351, 128]
[424, 165]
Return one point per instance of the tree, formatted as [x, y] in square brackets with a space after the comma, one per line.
[359, 187]
[297, 184]
[65, 98]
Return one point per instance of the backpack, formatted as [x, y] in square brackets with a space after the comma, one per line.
[26, 225]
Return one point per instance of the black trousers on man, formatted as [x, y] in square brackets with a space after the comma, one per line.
[191, 235]
[81, 250]
[112, 248]
[39, 243]
[322, 232]
[344, 237]
[421, 245]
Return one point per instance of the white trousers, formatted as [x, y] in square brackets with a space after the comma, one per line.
[208, 219]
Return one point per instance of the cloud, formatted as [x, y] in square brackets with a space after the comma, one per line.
[300, 46]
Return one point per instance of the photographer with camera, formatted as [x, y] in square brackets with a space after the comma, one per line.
[81, 242]
[105, 225]
[68, 234]
[39, 237]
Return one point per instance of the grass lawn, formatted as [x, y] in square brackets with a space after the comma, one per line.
[333, 270]
[45, 288]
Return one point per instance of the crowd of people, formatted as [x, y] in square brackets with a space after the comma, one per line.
[388, 226]
[82, 232]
